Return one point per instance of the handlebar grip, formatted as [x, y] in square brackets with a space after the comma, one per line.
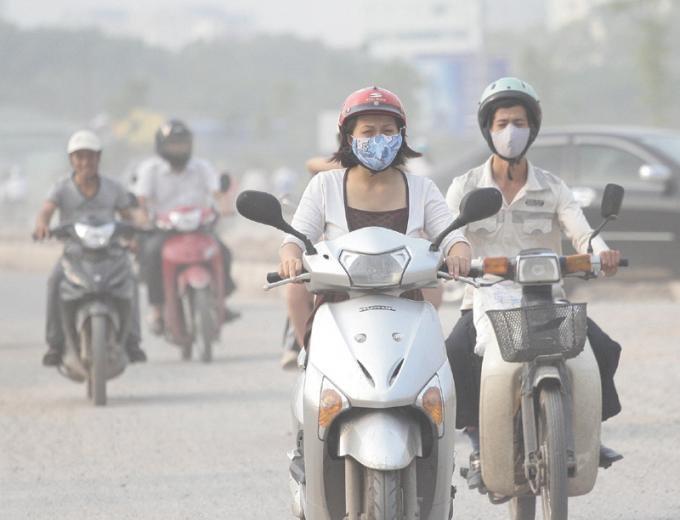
[623, 262]
[273, 277]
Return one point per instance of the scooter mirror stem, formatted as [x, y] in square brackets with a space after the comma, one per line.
[597, 232]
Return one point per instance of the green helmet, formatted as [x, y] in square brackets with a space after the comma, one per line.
[501, 90]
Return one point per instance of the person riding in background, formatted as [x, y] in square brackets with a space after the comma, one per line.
[171, 179]
[537, 207]
[370, 189]
[82, 196]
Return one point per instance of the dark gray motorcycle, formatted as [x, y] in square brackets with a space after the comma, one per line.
[96, 297]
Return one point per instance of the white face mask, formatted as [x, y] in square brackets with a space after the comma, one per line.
[511, 141]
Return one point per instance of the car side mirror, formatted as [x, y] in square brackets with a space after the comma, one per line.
[655, 173]
[475, 205]
[225, 182]
[264, 208]
[611, 201]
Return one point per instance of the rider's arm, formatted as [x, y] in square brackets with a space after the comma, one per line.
[437, 218]
[320, 164]
[42, 223]
[575, 226]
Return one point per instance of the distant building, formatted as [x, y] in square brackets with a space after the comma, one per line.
[445, 41]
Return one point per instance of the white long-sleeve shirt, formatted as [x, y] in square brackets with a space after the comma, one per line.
[543, 209]
[321, 212]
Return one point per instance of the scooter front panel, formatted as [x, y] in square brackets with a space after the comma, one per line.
[378, 350]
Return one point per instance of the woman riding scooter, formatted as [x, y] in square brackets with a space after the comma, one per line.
[371, 189]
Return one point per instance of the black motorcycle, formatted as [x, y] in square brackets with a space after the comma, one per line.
[96, 297]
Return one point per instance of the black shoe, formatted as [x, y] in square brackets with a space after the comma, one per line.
[230, 315]
[608, 456]
[474, 473]
[52, 357]
[136, 354]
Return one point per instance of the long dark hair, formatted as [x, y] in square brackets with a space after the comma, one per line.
[345, 156]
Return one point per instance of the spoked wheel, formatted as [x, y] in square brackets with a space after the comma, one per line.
[97, 380]
[206, 322]
[383, 497]
[553, 452]
[523, 508]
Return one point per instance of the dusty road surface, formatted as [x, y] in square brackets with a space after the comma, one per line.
[189, 441]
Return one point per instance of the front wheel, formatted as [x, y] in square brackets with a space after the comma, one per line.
[553, 452]
[206, 322]
[97, 379]
[383, 496]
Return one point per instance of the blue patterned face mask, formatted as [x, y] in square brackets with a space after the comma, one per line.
[377, 153]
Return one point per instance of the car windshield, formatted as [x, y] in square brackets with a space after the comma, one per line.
[667, 144]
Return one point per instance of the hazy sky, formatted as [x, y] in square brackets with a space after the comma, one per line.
[306, 18]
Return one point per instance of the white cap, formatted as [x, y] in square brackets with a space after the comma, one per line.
[84, 140]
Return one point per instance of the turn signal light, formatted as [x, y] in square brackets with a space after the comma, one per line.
[577, 263]
[433, 405]
[498, 265]
[330, 405]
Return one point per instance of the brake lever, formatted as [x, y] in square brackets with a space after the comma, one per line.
[477, 283]
[304, 277]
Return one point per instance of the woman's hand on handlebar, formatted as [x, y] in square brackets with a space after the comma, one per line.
[291, 261]
[609, 261]
[458, 259]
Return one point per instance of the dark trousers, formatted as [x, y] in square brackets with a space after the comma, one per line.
[467, 369]
[54, 334]
[151, 265]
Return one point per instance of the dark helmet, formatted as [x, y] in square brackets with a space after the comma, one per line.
[509, 89]
[174, 143]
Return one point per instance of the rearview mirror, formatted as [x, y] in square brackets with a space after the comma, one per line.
[264, 208]
[611, 201]
[261, 207]
[479, 204]
[655, 173]
[475, 205]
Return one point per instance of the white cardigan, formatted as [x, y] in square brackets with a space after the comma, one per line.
[321, 212]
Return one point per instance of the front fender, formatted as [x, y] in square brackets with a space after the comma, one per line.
[384, 439]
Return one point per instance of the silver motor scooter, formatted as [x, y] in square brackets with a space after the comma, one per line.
[375, 403]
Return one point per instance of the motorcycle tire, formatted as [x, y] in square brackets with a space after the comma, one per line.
[553, 448]
[206, 324]
[98, 345]
[523, 508]
[383, 495]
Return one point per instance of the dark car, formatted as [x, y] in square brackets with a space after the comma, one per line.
[645, 161]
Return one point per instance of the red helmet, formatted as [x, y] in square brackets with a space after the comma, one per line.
[372, 100]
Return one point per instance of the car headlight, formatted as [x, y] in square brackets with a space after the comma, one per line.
[431, 402]
[538, 269]
[185, 220]
[375, 270]
[95, 237]
[331, 402]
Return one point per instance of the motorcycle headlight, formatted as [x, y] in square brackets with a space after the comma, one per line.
[185, 220]
[95, 237]
[431, 402]
[370, 270]
[538, 269]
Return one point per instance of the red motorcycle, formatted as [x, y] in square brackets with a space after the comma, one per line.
[193, 280]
